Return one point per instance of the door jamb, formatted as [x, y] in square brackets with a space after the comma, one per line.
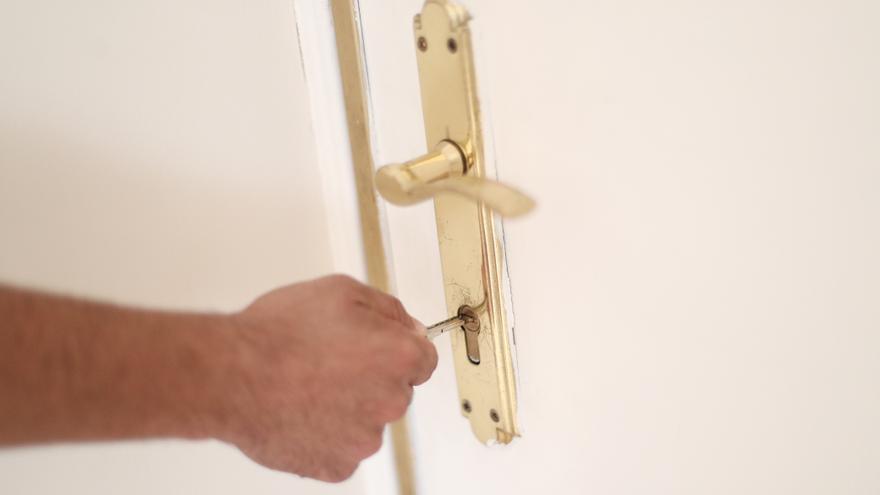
[331, 51]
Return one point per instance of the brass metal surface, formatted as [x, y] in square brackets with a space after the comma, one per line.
[443, 171]
[471, 247]
[414, 181]
[351, 67]
[466, 319]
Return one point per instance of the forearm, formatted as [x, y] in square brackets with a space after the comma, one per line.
[74, 370]
[303, 380]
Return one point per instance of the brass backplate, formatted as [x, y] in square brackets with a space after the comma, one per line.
[471, 244]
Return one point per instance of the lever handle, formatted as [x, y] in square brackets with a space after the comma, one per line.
[443, 170]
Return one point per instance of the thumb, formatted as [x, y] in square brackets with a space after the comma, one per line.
[419, 327]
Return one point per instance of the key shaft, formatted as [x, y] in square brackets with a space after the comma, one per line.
[444, 326]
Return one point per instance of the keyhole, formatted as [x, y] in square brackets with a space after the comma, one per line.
[471, 329]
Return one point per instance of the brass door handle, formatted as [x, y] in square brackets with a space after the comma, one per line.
[467, 205]
[445, 170]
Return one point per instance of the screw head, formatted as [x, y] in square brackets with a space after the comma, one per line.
[466, 406]
[452, 45]
[422, 43]
[493, 414]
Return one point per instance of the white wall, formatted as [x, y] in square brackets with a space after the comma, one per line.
[156, 153]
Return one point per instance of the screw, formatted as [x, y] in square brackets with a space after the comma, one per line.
[493, 414]
[452, 45]
[423, 43]
[466, 405]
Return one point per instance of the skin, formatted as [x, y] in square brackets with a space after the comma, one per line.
[303, 380]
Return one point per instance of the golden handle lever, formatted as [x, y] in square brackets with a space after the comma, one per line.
[467, 206]
[444, 170]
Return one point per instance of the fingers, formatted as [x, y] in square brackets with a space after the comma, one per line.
[421, 329]
[428, 352]
[388, 403]
[336, 472]
[419, 356]
[376, 300]
[384, 304]
[431, 359]
[405, 352]
[388, 306]
[332, 334]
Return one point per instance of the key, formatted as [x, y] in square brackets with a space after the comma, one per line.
[465, 319]
[444, 326]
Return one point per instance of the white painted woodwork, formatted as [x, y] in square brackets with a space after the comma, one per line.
[697, 296]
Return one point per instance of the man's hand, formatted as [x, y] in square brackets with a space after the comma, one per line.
[303, 380]
[324, 366]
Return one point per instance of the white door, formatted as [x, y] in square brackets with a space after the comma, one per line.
[697, 295]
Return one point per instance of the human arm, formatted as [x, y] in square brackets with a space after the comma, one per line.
[302, 380]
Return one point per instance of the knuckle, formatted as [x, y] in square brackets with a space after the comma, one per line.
[399, 310]
[344, 284]
[349, 293]
[341, 279]
[368, 445]
[340, 471]
[434, 358]
[394, 407]
[409, 353]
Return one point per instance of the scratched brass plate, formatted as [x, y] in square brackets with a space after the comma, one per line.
[471, 248]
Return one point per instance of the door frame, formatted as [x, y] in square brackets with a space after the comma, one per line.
[331, 51]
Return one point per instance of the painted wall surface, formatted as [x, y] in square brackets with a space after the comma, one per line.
[155, 153]
[697, 296]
